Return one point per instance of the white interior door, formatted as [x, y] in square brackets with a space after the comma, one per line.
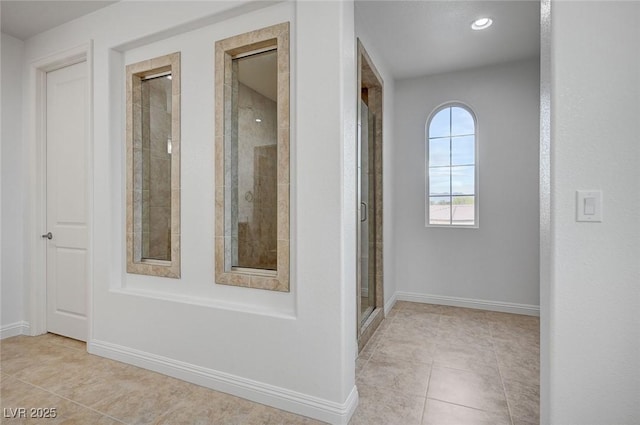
[67, 222]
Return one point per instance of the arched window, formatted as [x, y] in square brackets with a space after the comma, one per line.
[452, 169]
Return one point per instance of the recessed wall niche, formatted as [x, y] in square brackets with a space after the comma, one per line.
[153, 166]
[252, 159]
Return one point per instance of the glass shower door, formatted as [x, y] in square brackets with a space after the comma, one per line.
[367, 228]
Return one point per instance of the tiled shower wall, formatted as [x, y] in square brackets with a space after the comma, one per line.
[257, 179]
[156, 169]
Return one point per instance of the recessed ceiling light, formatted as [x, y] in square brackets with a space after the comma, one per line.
[481, 24]
[258, 120]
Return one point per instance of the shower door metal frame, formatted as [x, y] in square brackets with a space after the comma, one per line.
[370, 78]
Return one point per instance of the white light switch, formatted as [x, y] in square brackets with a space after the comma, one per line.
[589, 205]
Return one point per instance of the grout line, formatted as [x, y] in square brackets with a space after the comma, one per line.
[426, 394]
[424, 406]
[460, 405]
[71, 401]
[504, 389]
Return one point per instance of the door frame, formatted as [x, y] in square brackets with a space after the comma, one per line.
[37, 219]
[365, 330]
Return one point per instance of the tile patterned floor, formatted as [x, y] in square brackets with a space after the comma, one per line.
[438, 365]
[426, 364]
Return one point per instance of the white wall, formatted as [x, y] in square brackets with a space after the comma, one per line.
[594, 301]
[12, 309]
[291, 350]
[388, 194]
[498, 263]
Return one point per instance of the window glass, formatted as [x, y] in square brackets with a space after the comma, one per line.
[463, 150]
[451, 160]
[441, 124]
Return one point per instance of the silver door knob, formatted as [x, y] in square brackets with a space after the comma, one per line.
[48, 236]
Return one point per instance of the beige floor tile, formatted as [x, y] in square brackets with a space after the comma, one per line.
[406, 349]
[12, 392]
[65, 342]
[151, 396]
[527, 372]
[22, 360]
[264, 415]
[464, 337]
[393, 312]
[520, 320]
[206, 406]
[360, 364]
[371, 345]
[466, 357]
[518, 364]
[416, 319]
[47, 372]
[476, 325]
[441, 413]
[17, 394]
[448, 352]
[467, 388]
[400, 376]
[407, 328]
[524, 400]
[384, 407]
[468, 313]
[519, 421]
[421, 307]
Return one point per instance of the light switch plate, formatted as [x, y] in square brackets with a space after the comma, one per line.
[589, 205]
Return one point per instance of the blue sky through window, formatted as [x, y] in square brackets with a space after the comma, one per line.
[451, 164]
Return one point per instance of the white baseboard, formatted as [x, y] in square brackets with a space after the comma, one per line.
[525, 309]
[390, 303]
[260, 392]
[14, 329]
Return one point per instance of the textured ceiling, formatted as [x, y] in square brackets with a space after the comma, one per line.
[418, 38]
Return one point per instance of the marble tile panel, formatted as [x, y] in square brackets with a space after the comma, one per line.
[283, 224]
[284, 152]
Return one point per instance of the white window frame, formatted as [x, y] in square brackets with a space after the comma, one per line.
[470, 110]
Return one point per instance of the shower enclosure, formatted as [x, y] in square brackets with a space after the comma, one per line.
[370, 299]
